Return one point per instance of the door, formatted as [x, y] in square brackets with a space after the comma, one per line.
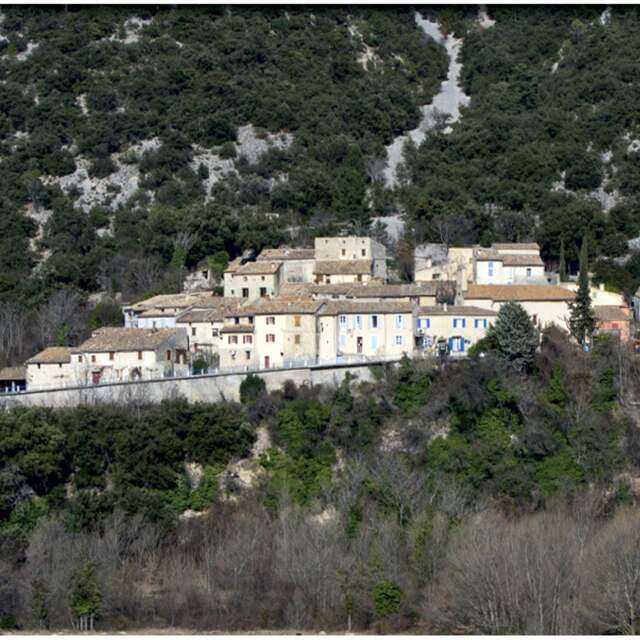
[267, 362]
[95, 377]
[359, 344]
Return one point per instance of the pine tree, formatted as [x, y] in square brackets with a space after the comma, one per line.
[581, 317]
[516, 336]
[563, 263]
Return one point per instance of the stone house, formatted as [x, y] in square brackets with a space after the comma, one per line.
[236, 347]
[120, 354]
[203, 327]
[545, 303]
[161, 311]
[460, 327]
[297, 264]
[50, 368]
[350, 249]
[285, 331]
[253, 280]
[349, 329]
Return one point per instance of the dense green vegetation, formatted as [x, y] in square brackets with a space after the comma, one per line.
[102, 80]
[528, 124]
[364, 489]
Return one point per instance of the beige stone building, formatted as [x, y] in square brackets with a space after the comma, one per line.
[252, 280]
[203, 327]
[115, 354]
[351, 329]
[237, 346]
[546, 304]
[460, 327]
[162, 311]
[285, 331]
[50, 368]
[359, 249]
[502, 263]
[297, 264]
[342, 271]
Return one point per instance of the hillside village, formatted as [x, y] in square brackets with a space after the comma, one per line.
[333, 304]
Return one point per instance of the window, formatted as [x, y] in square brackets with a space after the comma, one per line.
[139, 355]
[480, 323]
[263, 292]
[399, 320]
[490, 267]
[233, 339]
[399, 340]
[459, 323]
[245, 292]
[214, 332]
[344, 252]
[193, 331]
[364, 253]
[528, 272]
[244, 278]
[168, 354]
[112, 355]
[236, 320]
[79, 358]
[343, 322]
[296, 338]
[374, 343]
[262, 278]
[247, 339]
[271, 337]
[296, 321]
[373, 322]
[342, 340]
[359, 278]
[424, 323]
[247, 355]
[250, 319]
[93, 358]
[153, 324]
[358, 320]
[271, 320]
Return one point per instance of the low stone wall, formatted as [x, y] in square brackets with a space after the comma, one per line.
[203, 388]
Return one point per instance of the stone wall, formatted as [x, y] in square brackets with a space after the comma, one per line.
[203, 388]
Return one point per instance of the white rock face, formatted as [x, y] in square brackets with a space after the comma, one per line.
[484, 21]
[111, 192]
[448, 101]
[251, 146]
[132, 27]
[218, 167]
[368, 56]
[24, 55]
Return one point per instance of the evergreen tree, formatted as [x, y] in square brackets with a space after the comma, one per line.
[582, 320]
[516, 336]
[563, 264]
[84, 597]
[349, 196]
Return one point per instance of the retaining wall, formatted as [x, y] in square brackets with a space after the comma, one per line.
[202, 388]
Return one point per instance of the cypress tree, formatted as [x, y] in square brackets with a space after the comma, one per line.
[582, 320]
[516, 336]
[563, 264]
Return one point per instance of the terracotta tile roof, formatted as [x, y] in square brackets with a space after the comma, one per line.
[202, 315]
[215, 302]
[237, 328]
[517, 260]
[234, 265]
[51, 355]
[13, 373]
[284, 253]
[452, 310]
[175, 300]
[263, 267]
[611, 313]
[504, 292]
[523, 246]
[342, 267]
[488, 254]
[335, 307]
[125, 339]
[275, 306]
[397, 290]
[296, 289]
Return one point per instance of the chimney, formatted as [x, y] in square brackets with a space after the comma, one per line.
[459, 299]
[601, 286]
[429, 263]
[444, 306]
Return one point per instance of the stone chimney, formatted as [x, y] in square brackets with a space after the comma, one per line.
[459, 299]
